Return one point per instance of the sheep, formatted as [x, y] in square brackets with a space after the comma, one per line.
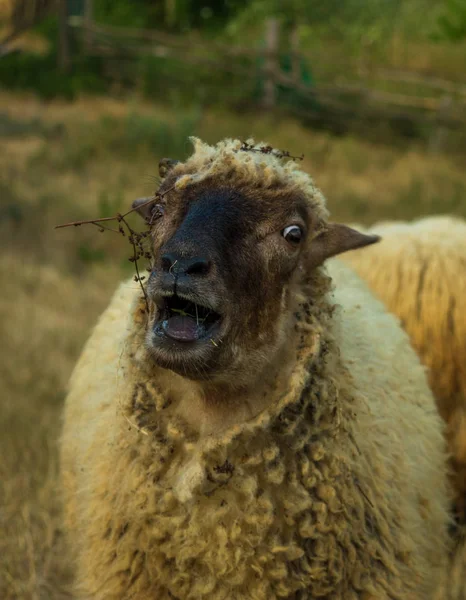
[418, 271]
[262, 428]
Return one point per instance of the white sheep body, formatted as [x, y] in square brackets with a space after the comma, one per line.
[419, 271]
[352, 503]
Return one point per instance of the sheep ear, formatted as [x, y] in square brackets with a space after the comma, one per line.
[166, 165]
[143, 207]
[335, 239]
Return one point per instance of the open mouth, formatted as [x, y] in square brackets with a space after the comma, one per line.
[186, 321]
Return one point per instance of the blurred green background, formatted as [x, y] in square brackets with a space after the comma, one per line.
[94, 93]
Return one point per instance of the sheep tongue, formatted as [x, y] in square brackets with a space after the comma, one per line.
[182, 328]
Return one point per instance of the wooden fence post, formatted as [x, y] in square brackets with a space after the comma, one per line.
[64, 62]
[88, 22]
[438, 138]
[270, 66]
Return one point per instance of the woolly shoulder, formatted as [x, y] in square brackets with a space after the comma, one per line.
[373, 342]
[96, 374]
[388, 379]
[397, 424]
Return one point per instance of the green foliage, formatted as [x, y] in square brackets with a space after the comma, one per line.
[452, 21]
[177, 82]
[145, 132]
[40, 73]
[109, 206]
[88, 255]
[347, 18]
[306, 11]
[135, 135]
[137, 13]
[174, 15]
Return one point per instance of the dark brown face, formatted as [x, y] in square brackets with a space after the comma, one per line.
[218, 290]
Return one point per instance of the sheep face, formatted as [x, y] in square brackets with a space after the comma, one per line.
[223, 263]
[227, 256]
[237, 235]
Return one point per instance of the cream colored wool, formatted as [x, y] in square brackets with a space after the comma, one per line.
[336, 490]
[419, 271]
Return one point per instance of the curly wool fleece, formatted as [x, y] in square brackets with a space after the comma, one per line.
[337, 490]
[426, 259]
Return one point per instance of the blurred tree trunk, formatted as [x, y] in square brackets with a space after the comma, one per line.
[63, 37]
[25, 14]
[170, 12]
[295, 58]
[88, 22]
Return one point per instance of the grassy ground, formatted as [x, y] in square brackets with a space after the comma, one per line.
[92, 158]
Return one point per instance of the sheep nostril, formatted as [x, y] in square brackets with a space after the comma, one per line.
[168, 261]
[197, 266]
[174, 264]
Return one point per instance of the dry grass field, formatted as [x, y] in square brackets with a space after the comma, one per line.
[61, 162]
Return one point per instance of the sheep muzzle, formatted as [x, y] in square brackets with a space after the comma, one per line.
[184, 320]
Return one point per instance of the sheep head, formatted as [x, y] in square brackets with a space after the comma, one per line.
[237, 230]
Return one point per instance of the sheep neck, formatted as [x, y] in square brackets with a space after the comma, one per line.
[209, 411]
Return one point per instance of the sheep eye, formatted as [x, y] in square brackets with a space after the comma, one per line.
[293, 234]
[157, 211]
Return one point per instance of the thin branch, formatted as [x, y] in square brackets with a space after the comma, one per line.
[102, 227]
[245, 147]
[136, 257]
[88, 222]
[157, 196]
[117, 217]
